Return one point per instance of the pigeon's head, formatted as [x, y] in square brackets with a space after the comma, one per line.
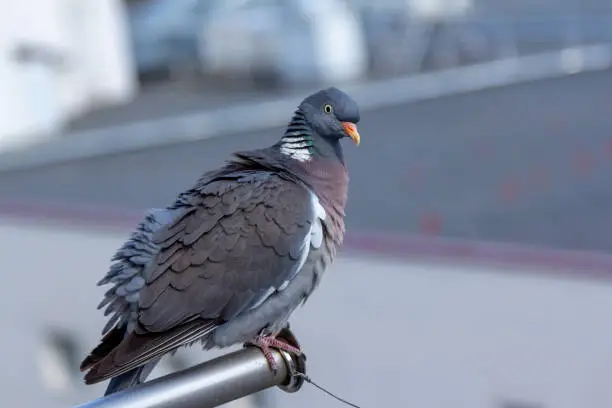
[332, 114]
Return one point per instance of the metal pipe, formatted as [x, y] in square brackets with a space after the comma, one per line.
[210, 384]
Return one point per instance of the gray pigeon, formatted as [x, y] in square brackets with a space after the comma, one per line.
[233, 257]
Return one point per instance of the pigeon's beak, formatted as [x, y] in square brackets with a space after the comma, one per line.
[351, 130]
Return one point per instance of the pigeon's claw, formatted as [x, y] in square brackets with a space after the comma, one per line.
[268, 342]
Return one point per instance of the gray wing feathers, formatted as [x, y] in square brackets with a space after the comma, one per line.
[231, 244]
[136, 350]
[127, 272]
[238, 238]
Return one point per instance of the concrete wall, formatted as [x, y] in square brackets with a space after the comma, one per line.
[378, 332]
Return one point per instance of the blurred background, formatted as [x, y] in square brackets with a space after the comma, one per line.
[477, 265]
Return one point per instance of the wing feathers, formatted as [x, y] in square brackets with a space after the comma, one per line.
[229, 243]
[108, 342]
[137, 349]
[228, 246]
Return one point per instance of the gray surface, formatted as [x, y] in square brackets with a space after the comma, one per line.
[215, 382]
[483, 335]
[455, 157]
[165, 100]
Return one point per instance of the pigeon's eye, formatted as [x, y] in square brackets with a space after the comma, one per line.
[328, 108]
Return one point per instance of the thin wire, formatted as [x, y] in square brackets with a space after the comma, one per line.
[308, 380]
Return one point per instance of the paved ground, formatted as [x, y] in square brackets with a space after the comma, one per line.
[527, 163]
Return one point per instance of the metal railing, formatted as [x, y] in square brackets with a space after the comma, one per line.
[212, 383]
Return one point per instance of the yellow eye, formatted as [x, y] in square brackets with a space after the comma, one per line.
[328, 108]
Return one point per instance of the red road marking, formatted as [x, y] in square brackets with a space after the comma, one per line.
[583, 163]
[431, 223]
[510, 191]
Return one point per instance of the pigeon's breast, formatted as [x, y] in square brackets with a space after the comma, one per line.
[328, 180]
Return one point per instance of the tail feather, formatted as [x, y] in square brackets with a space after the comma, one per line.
[107, 344]
[136, 349]
[131, 378]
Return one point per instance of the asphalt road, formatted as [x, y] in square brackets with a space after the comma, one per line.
[528, 163]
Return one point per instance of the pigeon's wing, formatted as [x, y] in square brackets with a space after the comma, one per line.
[126, 277]
[126, 274]
[241, 238]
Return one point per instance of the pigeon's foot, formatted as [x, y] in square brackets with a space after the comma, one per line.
[268, 342]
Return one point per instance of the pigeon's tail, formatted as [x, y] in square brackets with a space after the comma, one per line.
[131, 378]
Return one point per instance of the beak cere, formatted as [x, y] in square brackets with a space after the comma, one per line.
[351, 130]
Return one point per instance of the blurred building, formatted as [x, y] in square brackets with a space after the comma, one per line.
[60, 59]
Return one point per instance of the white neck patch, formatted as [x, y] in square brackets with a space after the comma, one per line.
[296, 147]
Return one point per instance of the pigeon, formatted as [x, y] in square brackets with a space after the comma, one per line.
[230, 260]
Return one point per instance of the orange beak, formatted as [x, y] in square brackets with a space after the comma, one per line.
[351, 130]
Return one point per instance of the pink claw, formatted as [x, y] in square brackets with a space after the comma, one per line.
[265, 343]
